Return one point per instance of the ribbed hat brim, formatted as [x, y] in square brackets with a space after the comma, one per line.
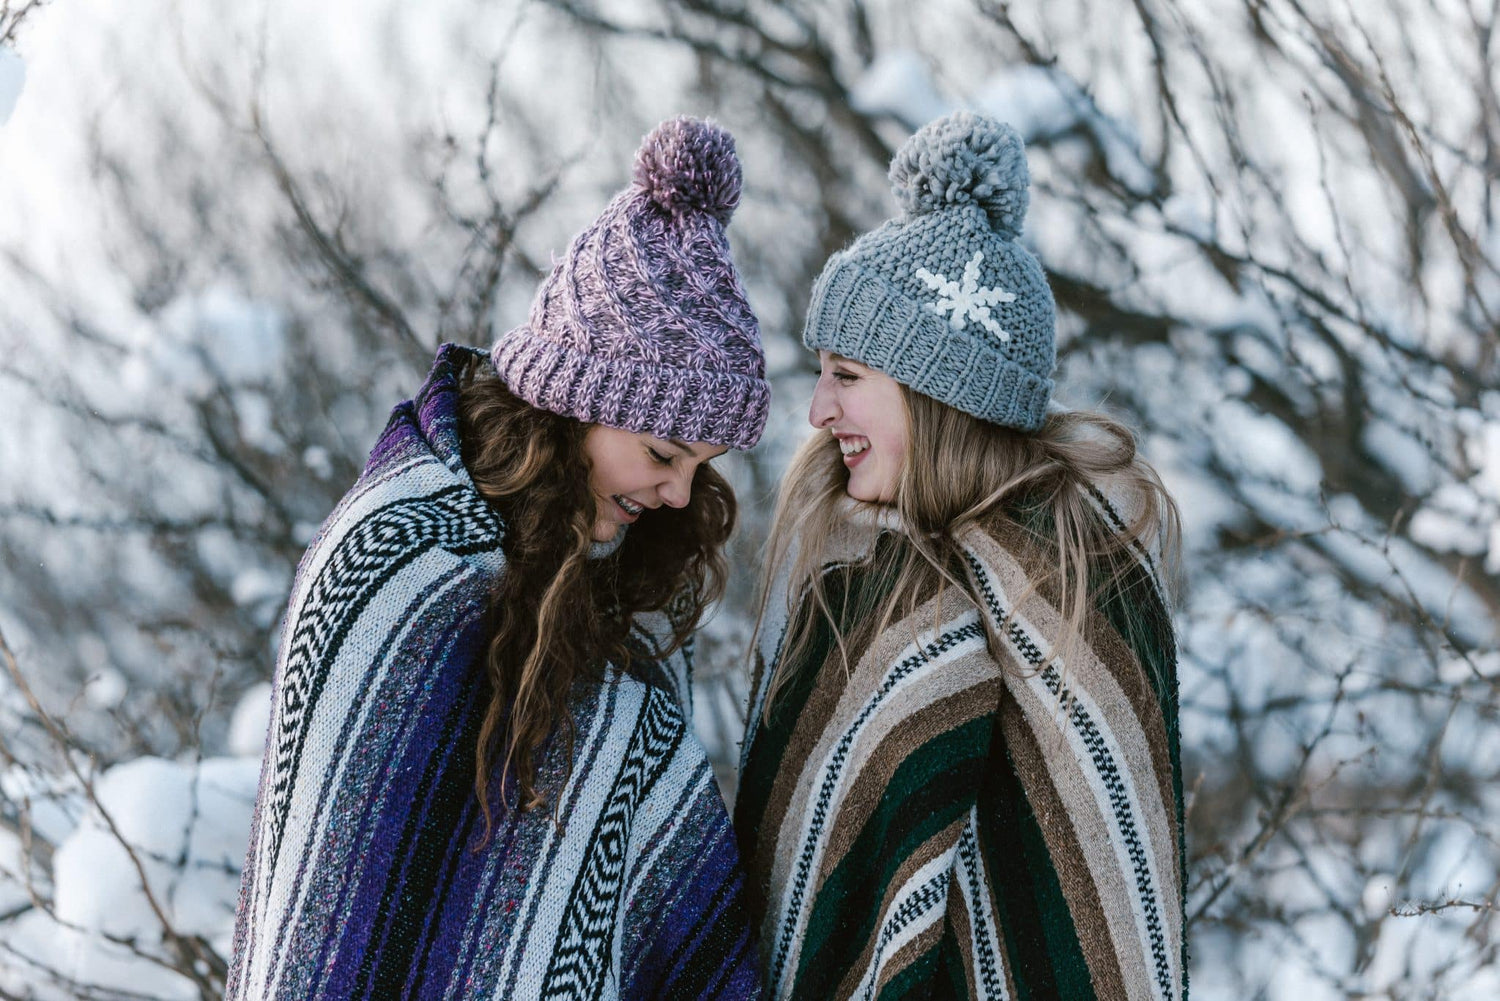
[693, 405]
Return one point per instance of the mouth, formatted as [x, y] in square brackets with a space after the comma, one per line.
[631, 508]
[854, 447]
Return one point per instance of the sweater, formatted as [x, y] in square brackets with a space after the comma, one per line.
[939, 821]
[368, 875]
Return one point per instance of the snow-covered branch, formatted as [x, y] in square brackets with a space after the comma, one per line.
[1270, 225]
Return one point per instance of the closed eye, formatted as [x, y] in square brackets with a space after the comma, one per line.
[665, 460]
[845, 377]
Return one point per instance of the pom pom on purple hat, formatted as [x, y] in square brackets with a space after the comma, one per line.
[689, 165]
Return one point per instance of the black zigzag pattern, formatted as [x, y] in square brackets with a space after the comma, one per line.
[1153, 572]
[991, 977]
[931, 894]
[365, 558]
[1106, 767]
[584, 937]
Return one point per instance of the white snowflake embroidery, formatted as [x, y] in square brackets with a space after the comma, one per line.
[968, 301]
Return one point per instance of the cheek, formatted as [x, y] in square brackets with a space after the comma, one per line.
[893, 436]
[891, 468]
[893, 457]
[604, 475]
[626, 475]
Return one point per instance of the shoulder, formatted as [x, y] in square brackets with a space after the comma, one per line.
[414, 500]
[1001, 537]
[392, 541]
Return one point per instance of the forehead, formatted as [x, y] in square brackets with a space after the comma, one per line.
[827, 357]
[700, 450]
[604, 440]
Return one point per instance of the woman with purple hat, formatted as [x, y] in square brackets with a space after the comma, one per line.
[481, 778]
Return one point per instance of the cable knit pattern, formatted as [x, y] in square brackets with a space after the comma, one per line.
[367, 874]
[962, 181]
[644, 324]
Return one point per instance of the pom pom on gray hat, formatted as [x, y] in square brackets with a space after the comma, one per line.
[689, 165]
[946, 299]
[964, 159]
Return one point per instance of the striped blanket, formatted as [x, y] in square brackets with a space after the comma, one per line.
[367, 874]
[934, 822]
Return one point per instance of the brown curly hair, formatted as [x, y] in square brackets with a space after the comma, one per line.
[557, 617]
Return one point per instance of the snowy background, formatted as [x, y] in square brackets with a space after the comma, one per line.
[232, 234]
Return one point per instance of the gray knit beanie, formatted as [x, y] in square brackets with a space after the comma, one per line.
[944, 299]
[643, 324]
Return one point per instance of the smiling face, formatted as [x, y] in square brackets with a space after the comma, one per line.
[864, 410]
[633, 472]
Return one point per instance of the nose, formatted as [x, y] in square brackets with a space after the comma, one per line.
[677, 489]
[825, 408]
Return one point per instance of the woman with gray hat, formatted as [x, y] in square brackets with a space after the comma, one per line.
[961, 775]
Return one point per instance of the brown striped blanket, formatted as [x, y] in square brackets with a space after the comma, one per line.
[940, 821]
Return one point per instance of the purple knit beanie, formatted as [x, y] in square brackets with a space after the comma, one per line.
[643, 324]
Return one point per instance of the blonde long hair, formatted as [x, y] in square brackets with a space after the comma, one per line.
[960, 472]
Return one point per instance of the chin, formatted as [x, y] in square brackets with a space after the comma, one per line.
[865, 494]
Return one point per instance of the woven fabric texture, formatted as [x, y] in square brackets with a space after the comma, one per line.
[368, 875]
